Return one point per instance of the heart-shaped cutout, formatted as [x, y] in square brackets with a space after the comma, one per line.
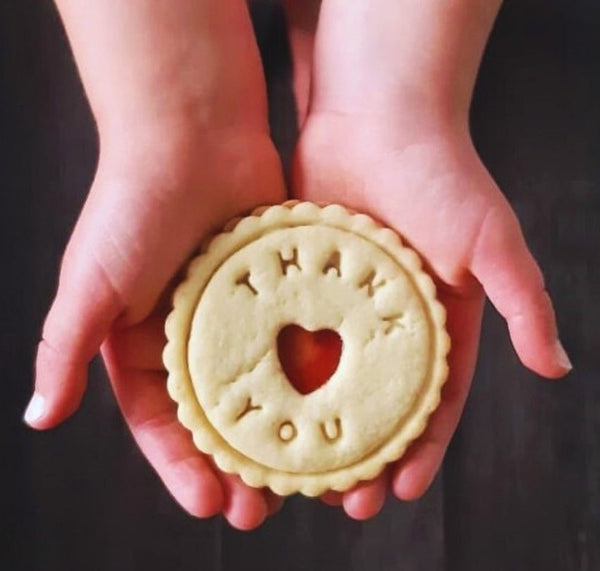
[308, 358]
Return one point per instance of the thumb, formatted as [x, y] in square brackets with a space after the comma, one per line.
[514, 283]
[85, 306]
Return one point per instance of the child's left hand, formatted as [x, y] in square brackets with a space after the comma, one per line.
[386, 132]
[430, 185]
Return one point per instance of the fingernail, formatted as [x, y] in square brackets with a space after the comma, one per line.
[35, 409]
[562, 357]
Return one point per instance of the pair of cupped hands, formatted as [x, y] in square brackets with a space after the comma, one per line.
[179, 167]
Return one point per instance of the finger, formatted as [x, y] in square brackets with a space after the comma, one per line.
[366, 499]
[274, 502]
[245, 508]
[332, 498]
[514, 283]
[152, 419]
[83, 310]
[414, 473]
[141, 346]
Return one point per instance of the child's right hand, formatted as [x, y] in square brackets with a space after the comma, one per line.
[145, 214]
[180, 103]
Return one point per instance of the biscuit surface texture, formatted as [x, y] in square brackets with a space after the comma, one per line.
[318, 268]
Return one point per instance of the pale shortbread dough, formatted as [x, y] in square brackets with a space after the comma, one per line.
[320, 268]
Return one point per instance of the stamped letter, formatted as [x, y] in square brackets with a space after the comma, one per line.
[287, 262]
[331, 430]
[393, 322]
[245, 280]
[333, 263]
[287, 431]
[248, 408]
[369, 283]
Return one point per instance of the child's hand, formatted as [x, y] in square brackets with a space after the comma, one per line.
[387, 133]
[432, 188]
[180, 104]
[144, 216]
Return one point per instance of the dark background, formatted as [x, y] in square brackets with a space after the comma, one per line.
[520, 488]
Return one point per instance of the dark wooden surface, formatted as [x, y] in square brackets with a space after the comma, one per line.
[520, 488]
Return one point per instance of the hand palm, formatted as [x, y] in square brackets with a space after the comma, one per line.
[433, 189]
[140, 224]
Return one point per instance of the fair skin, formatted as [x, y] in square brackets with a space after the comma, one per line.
[185, 145]
[390, 136]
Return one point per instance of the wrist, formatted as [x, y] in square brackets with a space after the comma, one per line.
[419, 57]
[426, 108]
[404, 117]
[173, 158]
[143, 62]
[178, 110]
